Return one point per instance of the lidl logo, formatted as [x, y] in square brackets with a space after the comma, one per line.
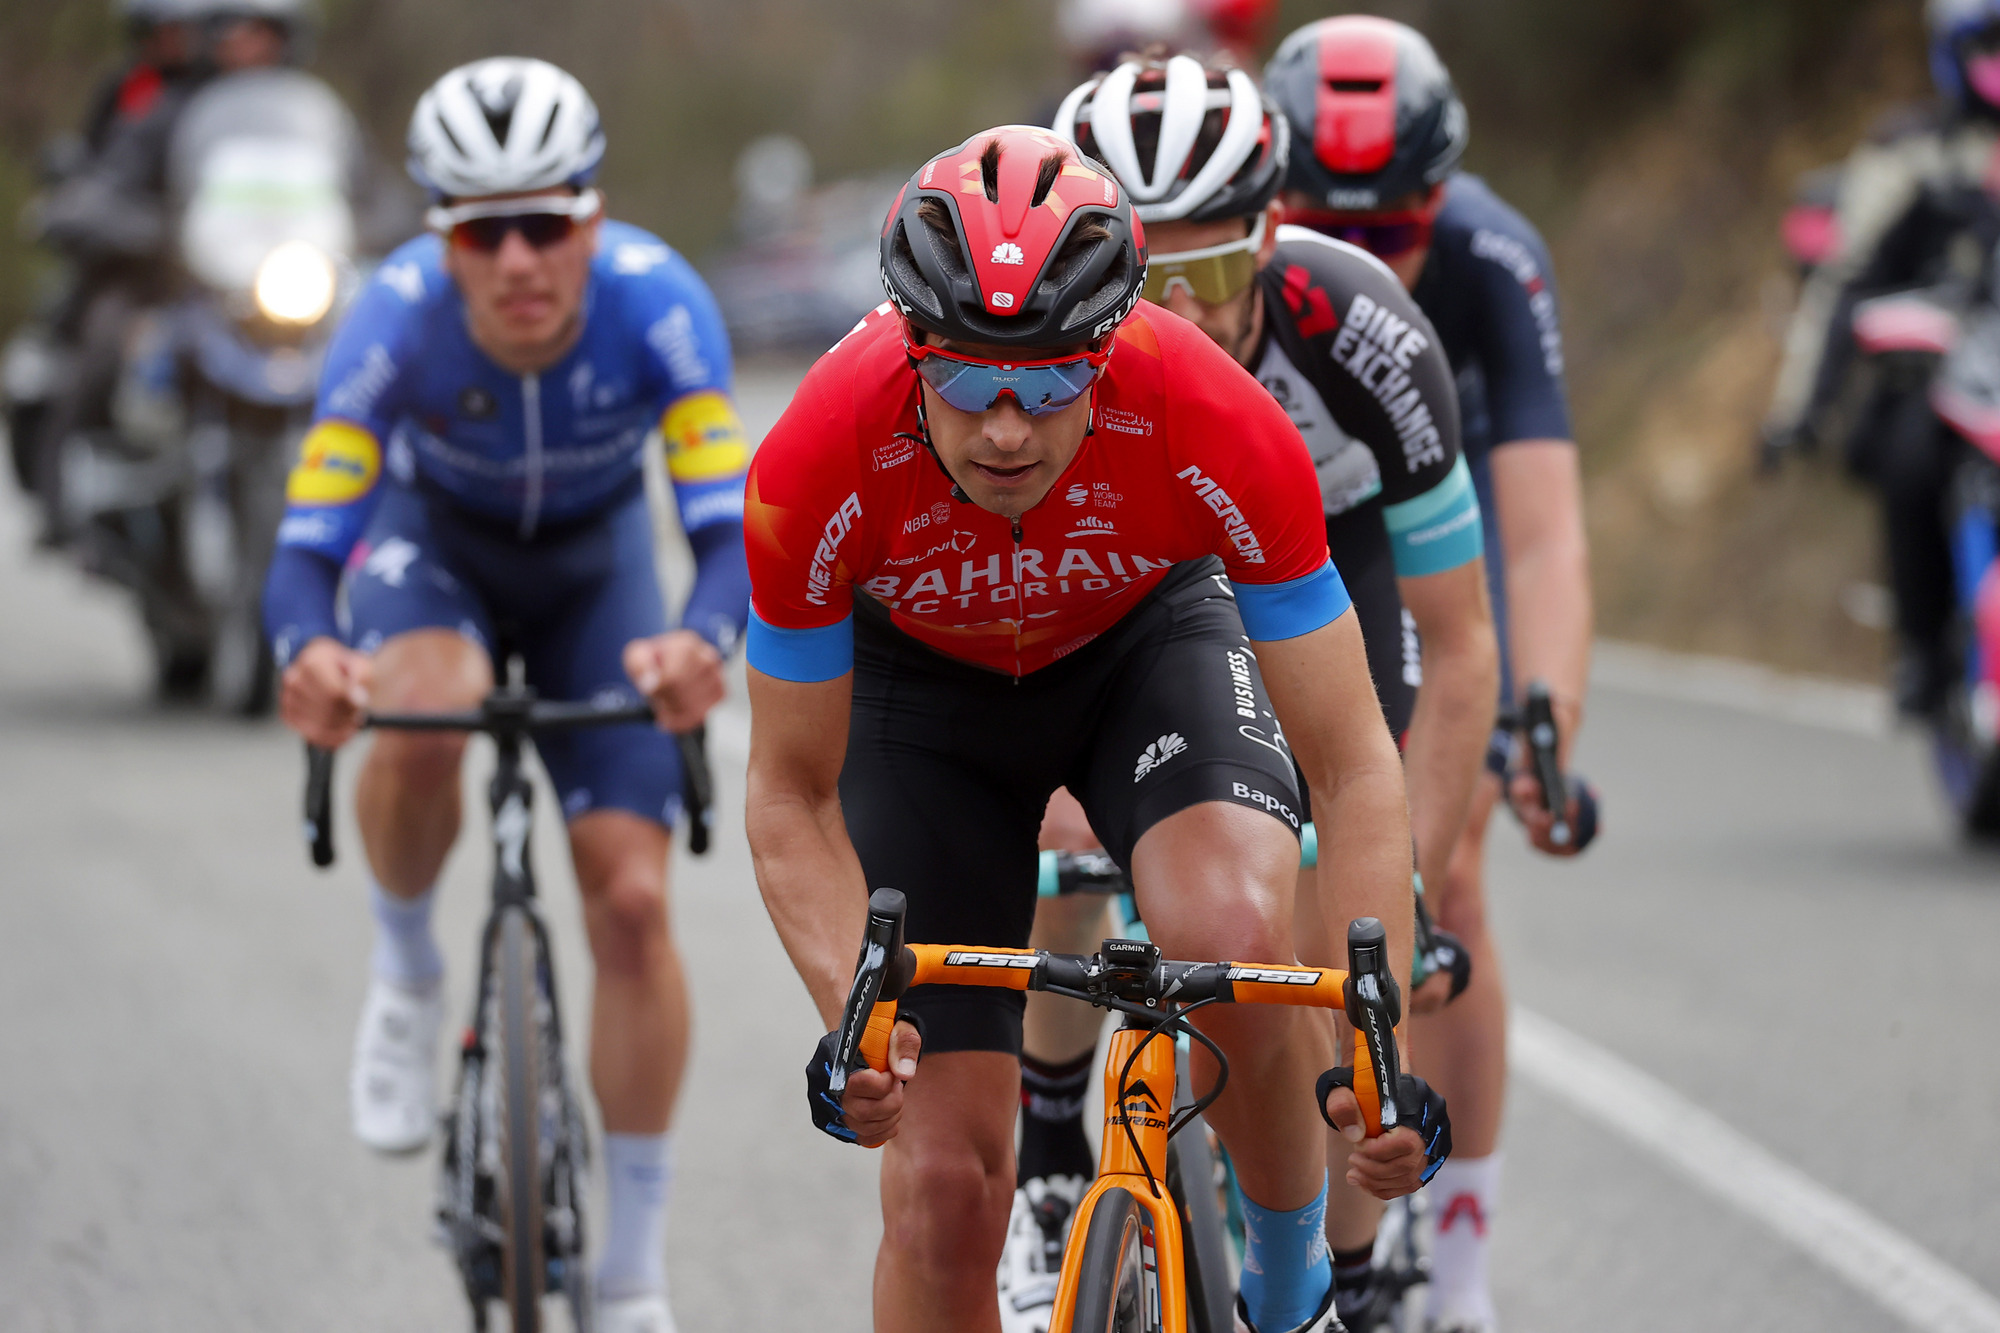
[338, 463]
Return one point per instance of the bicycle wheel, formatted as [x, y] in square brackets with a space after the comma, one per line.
[516, 1050]
[1118, 1288]
[1204, 1236]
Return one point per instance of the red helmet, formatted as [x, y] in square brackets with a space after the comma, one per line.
[1374, 115]
[1042, 249]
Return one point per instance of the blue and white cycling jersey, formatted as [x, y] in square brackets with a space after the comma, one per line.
[406, 393]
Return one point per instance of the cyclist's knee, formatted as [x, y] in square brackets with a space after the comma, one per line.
[420, 759]
[430, 670]
[629, 908]
[952, 1204]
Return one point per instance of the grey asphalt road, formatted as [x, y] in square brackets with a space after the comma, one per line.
[1778, 924]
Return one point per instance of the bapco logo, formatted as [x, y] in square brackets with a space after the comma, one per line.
[1078, 494]
[1158, 753]
[1008, 253]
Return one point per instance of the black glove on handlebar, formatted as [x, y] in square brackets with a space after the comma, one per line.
[1419, 1105]
[820, 1097]
[1449, 954]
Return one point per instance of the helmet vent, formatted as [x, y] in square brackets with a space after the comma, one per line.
[1045, 179]
[910, 279]
[989, 170]
[1355, 85]
[549, 128]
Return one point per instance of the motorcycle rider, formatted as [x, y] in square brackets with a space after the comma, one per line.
[1915, 208]
[477, 462]
[111, 217]
[1379, 131]
[1401, 522]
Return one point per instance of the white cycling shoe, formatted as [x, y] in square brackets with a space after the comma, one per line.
[635, 1314]
[1031, 1263]
[392, 1088]
[1324, 1320]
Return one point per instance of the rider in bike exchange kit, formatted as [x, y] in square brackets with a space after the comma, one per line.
[1378, 131]
[1338, 342]
[475, 474]
[1019, 531]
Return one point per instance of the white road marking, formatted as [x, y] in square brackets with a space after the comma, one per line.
[1813, 701]
[1879, 1262]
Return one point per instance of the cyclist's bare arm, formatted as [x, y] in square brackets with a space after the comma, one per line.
[1453, 722]
[806, 868]
[324, 691]
[1325, 700]
[1538, 490]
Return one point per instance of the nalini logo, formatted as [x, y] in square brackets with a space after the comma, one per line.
[1078, 494]
[1008, 253]
[1158, 753]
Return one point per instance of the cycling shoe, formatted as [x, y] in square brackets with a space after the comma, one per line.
[392, 1088]
[635, 1314]
[1031, 1263]
[1324, 1320]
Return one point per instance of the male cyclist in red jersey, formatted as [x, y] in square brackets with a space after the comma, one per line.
[1378, 131]
[986, 546]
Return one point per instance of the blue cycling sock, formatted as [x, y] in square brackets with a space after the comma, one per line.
[1286, 1269]
[405, 951]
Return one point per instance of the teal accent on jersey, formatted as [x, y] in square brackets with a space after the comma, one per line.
[1439, 529]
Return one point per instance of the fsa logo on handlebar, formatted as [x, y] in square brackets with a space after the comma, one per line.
[967, 958]
[1276, 976]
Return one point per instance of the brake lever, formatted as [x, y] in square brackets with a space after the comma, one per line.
[1374, 1006]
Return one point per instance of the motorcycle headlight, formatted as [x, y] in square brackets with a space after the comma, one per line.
[295, 284]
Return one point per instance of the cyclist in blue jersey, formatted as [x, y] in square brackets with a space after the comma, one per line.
[476, 469]
[1378, 133]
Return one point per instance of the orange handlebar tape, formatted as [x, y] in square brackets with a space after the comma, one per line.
[1273, 983]
[946, 964]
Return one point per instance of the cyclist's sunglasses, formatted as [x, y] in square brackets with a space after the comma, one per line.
[1384, 235]
[1214, 275]
[542, 220]
[972, 385]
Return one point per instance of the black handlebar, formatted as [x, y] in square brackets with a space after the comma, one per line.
[510, 715]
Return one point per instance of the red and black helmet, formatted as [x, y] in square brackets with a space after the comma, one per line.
[1019, 267]
[1373, 111]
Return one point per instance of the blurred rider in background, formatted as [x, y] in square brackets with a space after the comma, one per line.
[1915, 209]
[1098, 34]
[1377, 133]
[110, 216]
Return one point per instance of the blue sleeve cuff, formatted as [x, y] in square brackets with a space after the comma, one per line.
[1437, 530]
[803, 655]
[299, 597]
[1273, 611]
[719, 602]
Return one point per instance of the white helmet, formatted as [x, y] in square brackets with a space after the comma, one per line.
[1188, 141]
[504, 124]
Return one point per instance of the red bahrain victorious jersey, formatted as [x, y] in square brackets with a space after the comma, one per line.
[1190, 458]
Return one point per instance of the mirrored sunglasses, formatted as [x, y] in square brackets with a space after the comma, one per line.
[1214, 275]
[542, 220]
[1040, 387]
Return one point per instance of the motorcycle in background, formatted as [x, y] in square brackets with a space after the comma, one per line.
[1935, 353]
[180, 501]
